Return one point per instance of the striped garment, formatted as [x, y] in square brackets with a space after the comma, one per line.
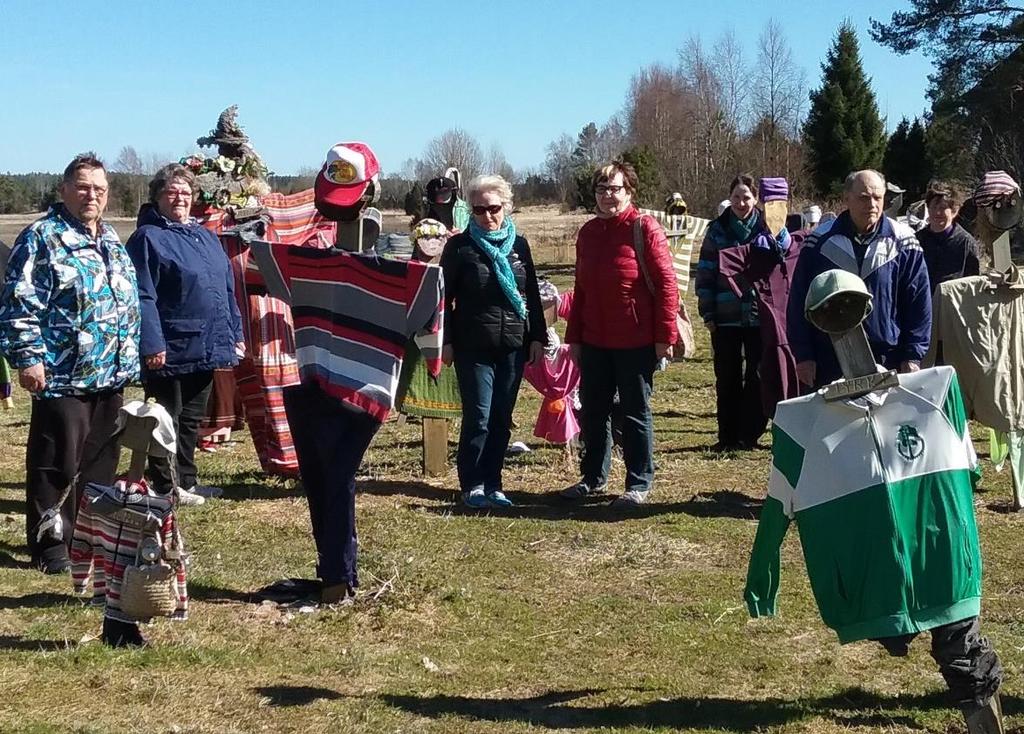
[353, 316]
[294, 220]
[101, 548]
[682, 232]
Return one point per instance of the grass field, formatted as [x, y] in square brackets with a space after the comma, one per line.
[547, 618]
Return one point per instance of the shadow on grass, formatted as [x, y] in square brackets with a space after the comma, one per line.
[7, 559]
[419, 490]
[527, 505]
[14, 643]
[853, 707]
[296, 695]
[38, 599]
[258, 490]
[217, 595]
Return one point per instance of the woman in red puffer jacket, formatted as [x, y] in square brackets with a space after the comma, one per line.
[619, 328]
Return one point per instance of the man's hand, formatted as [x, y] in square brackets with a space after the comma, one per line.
[806, 372]
[575, 352]
[910, 366]
[156, 361]
[447, 355]
[536, 352]
[32, 378]
[663, 351]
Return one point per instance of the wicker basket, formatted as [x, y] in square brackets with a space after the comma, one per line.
[149, 590]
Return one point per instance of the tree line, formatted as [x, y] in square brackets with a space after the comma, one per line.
[691, 126]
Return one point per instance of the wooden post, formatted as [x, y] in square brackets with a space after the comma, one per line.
[435, 446]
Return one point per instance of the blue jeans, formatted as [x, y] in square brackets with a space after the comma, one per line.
[489, 385]
[631, 372]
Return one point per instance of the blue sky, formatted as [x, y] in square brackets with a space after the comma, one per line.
[394, 73]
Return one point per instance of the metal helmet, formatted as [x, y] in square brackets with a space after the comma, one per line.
[837, 301]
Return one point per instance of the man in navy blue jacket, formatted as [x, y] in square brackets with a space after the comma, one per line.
[888, 257]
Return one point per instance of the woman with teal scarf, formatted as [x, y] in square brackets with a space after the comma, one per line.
[493, 323]
[733, 321]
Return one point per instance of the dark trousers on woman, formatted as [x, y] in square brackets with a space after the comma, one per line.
[67, 436]
[489, 385]
[185, 398]
[330, 441]
[741, 419]
[631, 372]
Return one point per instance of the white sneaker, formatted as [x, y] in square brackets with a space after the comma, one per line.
[189, 499]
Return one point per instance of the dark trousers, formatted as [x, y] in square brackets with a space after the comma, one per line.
[330, 440]
[185, 398]
[741, 418]
[631, 372]
[968, 663]
[488, 385]
[67, 436]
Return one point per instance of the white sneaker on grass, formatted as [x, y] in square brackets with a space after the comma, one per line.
[189, 499]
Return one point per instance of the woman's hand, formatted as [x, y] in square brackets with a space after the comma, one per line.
[447, 355]
[156, 361]
[536, 352]
[663, 351]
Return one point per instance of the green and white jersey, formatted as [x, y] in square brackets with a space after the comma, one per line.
[881, 489]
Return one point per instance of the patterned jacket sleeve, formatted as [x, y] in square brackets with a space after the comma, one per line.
[147, 272]
[663, 277]
[706, 281]
[24, 296]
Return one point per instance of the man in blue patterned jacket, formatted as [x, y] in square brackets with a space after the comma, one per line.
[889, 259]
[69, 323]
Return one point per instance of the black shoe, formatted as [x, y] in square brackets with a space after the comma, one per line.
[723, 447]
[122, 634]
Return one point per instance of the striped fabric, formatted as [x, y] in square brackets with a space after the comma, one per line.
[353, 316]
[269, 365]
[993, 186]
[294, 220]
[101, 548]
[682, 232]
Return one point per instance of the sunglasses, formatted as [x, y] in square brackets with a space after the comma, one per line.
[492, 209]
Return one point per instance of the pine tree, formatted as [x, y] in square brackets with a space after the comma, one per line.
[843, 132]
[642, 159]
[906, 160]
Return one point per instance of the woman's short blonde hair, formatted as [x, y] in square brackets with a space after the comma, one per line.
[491, 182]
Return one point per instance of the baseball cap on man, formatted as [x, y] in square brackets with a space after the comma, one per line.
[346, 174]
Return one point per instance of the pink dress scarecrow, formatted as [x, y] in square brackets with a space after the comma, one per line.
[556, 377]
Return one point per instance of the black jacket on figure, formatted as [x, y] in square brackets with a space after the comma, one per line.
[478, 315]
[949, 256]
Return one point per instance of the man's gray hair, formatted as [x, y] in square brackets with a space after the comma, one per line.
[167, 175]
[852, 178]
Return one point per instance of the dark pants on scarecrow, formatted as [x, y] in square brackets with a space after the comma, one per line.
[741, 419]
[67, 436]
[966, 660]
[631, 373]
[185, 398]
[330, 441]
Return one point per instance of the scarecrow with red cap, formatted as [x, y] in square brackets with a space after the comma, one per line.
[353, 314]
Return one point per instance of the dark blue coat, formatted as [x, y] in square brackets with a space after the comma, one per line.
[186, 294]
[900, 324]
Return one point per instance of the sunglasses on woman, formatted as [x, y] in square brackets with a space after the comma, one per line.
[492, 209]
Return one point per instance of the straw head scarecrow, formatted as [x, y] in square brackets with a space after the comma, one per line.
[877, 470]
[353, 313]
[978, 327]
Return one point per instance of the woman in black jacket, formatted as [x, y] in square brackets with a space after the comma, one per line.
[493, 324]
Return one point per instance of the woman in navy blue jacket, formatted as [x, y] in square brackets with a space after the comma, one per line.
[190, 320]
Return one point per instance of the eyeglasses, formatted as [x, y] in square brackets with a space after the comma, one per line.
[492, 209]
[603, 190]
[99, 191]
